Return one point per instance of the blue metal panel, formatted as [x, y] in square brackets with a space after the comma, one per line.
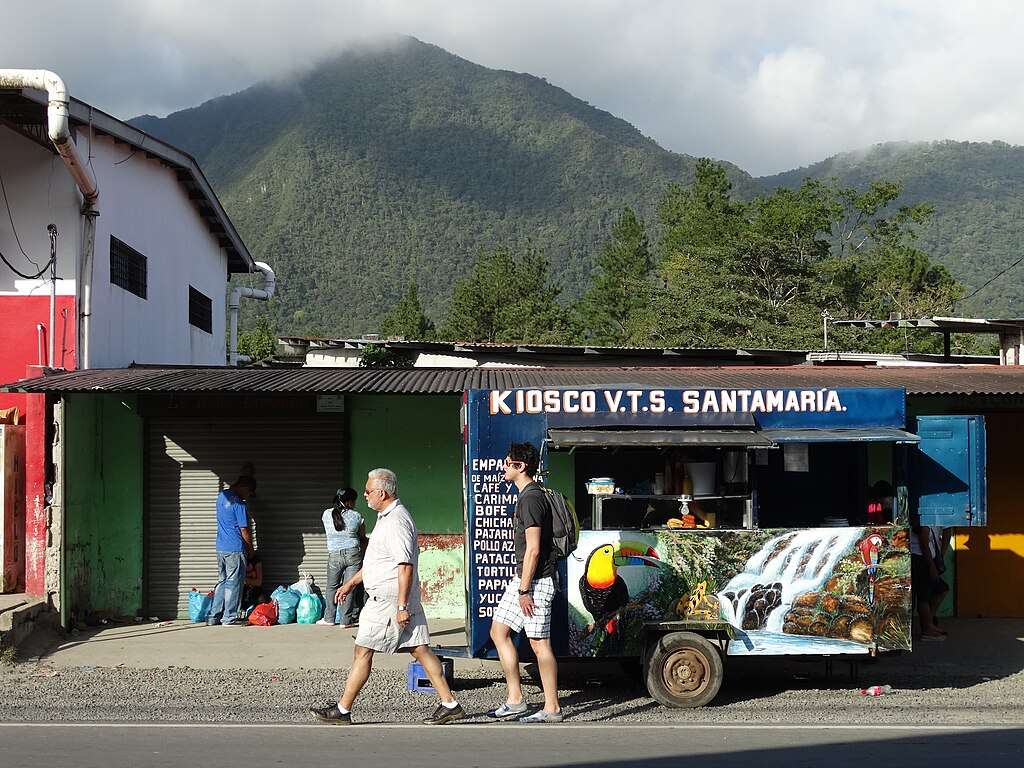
[947, 482]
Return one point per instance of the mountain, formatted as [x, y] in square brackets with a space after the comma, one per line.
[401, 162]
[393, 164]
[978, 193]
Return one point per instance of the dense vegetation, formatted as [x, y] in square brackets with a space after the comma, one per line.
[385, 170]
[760, 273]
[977, 191]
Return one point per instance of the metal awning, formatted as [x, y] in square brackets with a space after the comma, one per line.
[721, 438]
[864, 435]
[654, 438]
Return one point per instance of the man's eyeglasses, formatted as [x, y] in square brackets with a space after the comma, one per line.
[513, 462]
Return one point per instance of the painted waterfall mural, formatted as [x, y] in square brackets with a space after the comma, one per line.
[819, 590]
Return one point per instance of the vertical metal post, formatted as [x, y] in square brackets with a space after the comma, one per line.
[945, 345]
[53, 292]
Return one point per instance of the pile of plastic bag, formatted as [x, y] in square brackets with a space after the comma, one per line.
[298, 603]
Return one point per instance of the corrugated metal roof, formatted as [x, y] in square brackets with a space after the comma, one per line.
[464, 347]
[931, 380]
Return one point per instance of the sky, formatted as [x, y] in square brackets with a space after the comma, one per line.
[770, 85]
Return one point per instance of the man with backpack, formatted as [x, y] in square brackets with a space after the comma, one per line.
[526, 604]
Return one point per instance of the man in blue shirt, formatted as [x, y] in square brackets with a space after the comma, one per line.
[234, 545]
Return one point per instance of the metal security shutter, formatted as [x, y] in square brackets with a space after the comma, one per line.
[298, 466]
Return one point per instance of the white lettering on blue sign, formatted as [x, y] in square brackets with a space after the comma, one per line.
[691, 401]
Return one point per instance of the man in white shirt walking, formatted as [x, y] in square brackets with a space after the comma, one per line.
[392, 619]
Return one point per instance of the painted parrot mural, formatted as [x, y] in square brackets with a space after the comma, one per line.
[602, 590]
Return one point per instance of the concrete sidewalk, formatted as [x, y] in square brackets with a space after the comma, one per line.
[153, 645]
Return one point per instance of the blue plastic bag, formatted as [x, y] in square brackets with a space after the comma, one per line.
[310, 609]
[287, 603]
[199, 604]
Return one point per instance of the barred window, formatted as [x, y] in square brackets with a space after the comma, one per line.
[200, 310]
[127, 268]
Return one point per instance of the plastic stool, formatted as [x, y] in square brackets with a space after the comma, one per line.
[417, 680]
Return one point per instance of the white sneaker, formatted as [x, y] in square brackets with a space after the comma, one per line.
[325, 623]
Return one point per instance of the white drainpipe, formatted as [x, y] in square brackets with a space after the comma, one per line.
[244, 292]
[59, 132]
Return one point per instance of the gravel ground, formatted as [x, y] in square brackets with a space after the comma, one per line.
[757, 691]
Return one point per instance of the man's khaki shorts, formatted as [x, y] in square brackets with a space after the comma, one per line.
[379, 631]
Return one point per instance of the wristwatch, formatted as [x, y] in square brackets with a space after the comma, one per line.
[524, 592]
[404, 607]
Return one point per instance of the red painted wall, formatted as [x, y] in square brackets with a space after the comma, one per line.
[19, 342]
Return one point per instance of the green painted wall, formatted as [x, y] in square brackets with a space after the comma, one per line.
[562, 473]
[103, 463]
[420, 439]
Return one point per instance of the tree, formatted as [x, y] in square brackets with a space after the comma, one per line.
[506, 298]
[610, 309]
[760, 273]
[381, 356]
[697, 302]
[260, 342]
[406, 318]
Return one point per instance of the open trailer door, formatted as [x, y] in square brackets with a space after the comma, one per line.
[947, 471]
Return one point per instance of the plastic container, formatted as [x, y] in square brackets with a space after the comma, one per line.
[417, 680]
[876, 690]
[702, 475]
[601, 485]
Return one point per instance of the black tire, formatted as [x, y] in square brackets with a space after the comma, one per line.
[683, 669]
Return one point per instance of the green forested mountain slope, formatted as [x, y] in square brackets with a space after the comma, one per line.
[386, 166]
[978, 193]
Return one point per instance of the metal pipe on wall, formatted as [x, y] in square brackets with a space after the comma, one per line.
[244, 292]
[59, 130]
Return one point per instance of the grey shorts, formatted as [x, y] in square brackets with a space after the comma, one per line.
[379, 631]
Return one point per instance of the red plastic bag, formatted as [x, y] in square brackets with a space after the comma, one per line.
[264, 615]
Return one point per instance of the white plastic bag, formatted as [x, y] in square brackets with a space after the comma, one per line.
[304, 585]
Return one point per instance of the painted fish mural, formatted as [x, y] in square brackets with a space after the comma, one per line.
[824, 590]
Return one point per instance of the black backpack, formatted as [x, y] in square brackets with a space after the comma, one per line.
[565, 526]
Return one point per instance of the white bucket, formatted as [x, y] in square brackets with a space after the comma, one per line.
[702, 475]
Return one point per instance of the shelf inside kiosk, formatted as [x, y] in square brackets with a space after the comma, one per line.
[702, 488]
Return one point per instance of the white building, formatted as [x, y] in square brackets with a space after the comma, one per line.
[154, 288]
[143, 255]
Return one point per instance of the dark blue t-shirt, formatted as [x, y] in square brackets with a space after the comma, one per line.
[231, 515]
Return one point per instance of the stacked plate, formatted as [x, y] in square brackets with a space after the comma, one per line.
[835, 522]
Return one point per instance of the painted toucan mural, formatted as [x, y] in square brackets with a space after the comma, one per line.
[603, 591]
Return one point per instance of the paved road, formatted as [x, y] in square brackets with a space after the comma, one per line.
[514, 746]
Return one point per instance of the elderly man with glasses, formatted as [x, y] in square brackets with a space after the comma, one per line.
[392, 619]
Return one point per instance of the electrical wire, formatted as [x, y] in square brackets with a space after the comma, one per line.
[42, 271]
[10, 217]
[989, 282]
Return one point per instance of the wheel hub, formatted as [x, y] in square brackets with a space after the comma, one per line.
[686, 672]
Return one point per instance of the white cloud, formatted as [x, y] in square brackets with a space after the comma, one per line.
[769, 85]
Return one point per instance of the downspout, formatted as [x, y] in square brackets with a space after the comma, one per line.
[244, 292]
[59, 131]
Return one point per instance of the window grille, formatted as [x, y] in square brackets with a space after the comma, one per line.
[127, 268]
[200, 310]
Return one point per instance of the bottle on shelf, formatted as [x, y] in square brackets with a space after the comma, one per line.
[687, 485]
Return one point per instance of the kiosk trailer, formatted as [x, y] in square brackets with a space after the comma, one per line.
[719, 522]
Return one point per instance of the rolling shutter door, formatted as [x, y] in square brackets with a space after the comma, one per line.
[298, 467]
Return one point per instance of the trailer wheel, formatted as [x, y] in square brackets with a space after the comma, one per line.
[683, 670]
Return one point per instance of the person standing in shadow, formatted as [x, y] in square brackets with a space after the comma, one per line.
[234, 546]
[346, 542]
